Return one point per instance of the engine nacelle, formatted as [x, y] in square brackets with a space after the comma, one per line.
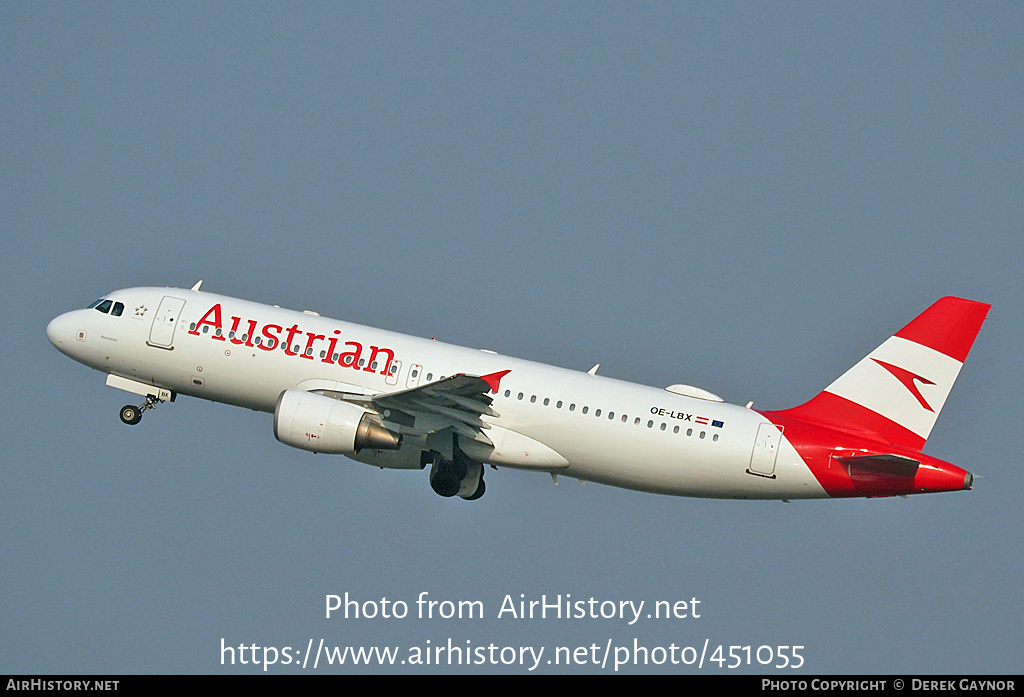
[325, 425]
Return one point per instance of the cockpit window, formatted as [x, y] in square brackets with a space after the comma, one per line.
[103, 305]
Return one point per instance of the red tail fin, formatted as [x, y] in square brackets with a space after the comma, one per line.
[895, 393]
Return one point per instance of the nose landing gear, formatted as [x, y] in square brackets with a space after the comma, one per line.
[131, 414]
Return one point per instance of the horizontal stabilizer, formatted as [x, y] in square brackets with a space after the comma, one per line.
[883, 464]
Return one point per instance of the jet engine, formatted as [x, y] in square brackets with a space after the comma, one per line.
[320, 424]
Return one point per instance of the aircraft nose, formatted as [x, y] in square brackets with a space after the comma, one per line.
[60, 331]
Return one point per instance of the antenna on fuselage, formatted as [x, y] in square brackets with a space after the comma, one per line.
[196, 286]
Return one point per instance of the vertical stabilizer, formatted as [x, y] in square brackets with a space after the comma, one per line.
[896, 392]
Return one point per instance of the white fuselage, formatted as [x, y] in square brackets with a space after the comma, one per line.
[607, 430]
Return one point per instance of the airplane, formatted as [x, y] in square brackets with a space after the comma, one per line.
[396, 401]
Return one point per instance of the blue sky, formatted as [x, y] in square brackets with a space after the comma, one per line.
[744, 197]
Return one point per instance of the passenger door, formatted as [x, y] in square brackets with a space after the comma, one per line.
[161, 334]
[766, 450]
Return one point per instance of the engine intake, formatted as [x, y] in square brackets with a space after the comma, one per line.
[322, 424]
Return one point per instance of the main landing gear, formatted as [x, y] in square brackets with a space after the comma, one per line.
[131, 414]
[459, 476]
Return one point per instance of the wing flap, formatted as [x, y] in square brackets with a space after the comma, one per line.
[457, 402]
[468, 418]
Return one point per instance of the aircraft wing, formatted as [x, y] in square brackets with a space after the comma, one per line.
[457, 402]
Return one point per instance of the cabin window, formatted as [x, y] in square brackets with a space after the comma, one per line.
[585, 409]
[624, 418]
[558, 404]
[547, 401]
[507, 392]
[663, 425]
[675, 429]
[715, 438]
[702, 434]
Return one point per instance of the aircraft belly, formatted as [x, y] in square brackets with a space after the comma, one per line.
[224, 377]
[244, 378]
[676, 464]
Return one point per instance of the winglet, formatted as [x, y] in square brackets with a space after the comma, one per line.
[493, 380]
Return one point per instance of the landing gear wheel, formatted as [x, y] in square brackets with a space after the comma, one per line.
[479, 491]
[131, 414]
[444, 482]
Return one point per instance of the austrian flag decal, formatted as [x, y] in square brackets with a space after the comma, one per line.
[704, 420]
